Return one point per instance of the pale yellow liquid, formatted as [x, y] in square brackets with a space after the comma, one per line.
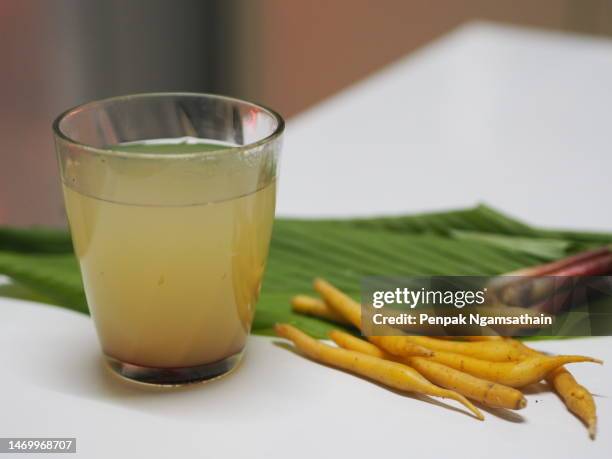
[172, 286]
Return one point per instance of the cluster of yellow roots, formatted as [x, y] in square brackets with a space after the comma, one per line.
[488, 370]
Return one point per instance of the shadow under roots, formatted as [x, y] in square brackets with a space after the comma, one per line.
[536, 388]
[503, 413]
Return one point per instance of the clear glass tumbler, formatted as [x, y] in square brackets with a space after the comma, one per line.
[170, 199]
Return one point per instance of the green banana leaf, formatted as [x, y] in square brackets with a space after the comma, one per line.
[474, 241]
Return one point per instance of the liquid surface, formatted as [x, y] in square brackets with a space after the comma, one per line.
[172, 286]
[179, 145]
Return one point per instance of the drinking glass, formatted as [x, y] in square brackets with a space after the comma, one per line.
[170, 199]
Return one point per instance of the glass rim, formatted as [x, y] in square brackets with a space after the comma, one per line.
[117, 152]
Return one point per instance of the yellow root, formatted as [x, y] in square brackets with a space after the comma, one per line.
[576, 397]
[493, 351]
[341, 303]
[514, 374]
[350, 310]
[315, 307]
[486, 392]
[391, 374]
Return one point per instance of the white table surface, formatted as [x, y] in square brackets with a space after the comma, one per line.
[513, 117]
[277, 405]
[518, 118]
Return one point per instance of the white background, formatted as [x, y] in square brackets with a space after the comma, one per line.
[516, 118]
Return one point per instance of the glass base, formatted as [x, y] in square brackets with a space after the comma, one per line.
[175, 376]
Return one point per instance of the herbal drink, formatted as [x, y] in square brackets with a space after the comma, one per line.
[170, 198]
[172, 260]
